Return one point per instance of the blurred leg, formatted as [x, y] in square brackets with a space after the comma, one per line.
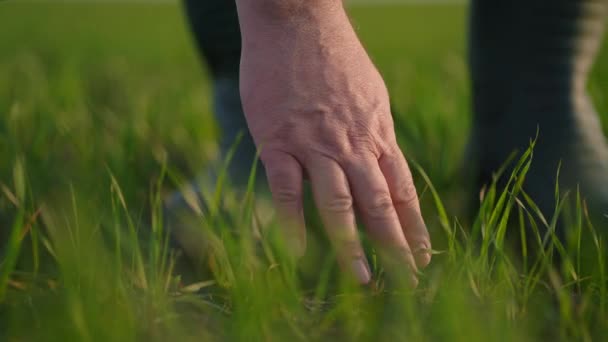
[215, 26]
[529, 62]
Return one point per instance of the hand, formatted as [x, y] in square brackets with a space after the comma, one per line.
[318, 108]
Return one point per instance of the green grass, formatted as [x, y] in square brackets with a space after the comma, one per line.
[105, 109]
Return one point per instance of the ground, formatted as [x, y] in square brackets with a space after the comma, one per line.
[105, 109]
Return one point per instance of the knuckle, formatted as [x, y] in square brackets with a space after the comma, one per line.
[284, 190]
[339, 203]
[406, 193]
[363, 139]
[379, 206]
[283, 179]
[286, 194]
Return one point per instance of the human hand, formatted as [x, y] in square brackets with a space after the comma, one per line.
[318, 109]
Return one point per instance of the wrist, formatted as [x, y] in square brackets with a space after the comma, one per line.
[287, 10]
[270, 19]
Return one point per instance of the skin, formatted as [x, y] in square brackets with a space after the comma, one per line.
[318, 109]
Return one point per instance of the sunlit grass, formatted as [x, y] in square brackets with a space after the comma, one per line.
[112, 281]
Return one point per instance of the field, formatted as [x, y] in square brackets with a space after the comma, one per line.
[104, 109]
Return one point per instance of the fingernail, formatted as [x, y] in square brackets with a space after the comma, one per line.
[422, 254]
[361, 271]
[421, 248]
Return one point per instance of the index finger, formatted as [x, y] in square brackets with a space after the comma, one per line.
[284, 175]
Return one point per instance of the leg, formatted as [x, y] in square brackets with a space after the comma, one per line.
[215, 26]
[529, 61]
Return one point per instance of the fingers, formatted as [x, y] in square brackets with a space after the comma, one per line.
[374, 203]
[335, 205]
[385, 196]
[284, 175]
[405, 200]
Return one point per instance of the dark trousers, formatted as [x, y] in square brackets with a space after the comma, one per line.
[215, 26]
